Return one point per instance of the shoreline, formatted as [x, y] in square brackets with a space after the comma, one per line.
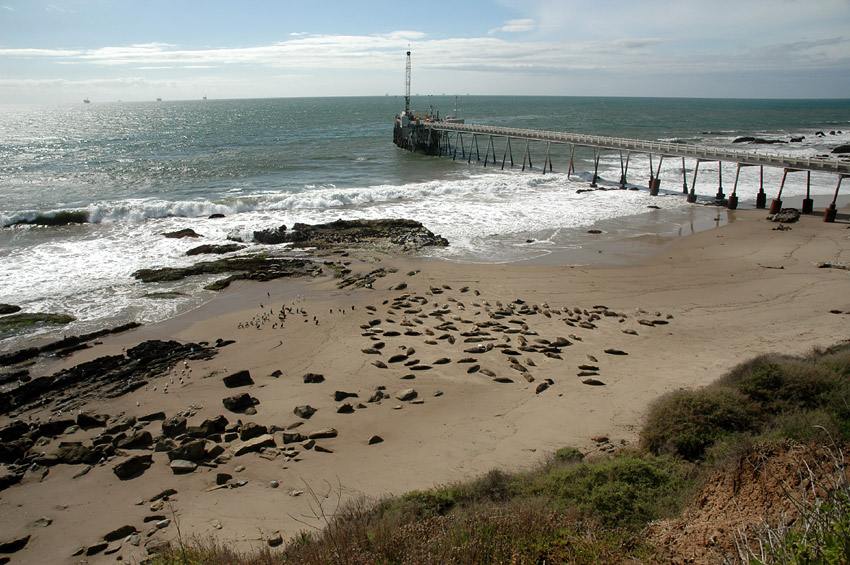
[718, 297]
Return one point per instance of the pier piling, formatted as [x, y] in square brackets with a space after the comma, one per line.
[808, 203]
[692, 195]
[433, 136]
[829, 213]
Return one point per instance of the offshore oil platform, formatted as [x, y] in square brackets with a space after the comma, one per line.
[411, 132]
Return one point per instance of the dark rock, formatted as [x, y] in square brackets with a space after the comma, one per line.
[14, 545]
[304, 411]
[152, 416]
[108, 376]
[785, 216]
[189, 451]
[323, 433]
[14, 431]
[239, 402]
[132, 467]
[313, 378]
[96, 548]
[119, 533]
[241, 378]
[182, 467]
[9, 309]
[406, 394]
[215, 216]
[87, 421]
[138, 440]
[174, 426]
[62, 218]
[254, 445]
[841, 149]
[222, 478]
[346, 408]
[340, 395]
[55, 427]
[179, 234]
[215, 249]
[163, 494]
[375, 439]
[252, 430]
[800, 139]
[254, 267]
[76, 453]
[406, 233]
[615, 352]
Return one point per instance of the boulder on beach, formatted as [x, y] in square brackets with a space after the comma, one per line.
[132, 467]
[239, 402]
[241, 378]
[215, 249]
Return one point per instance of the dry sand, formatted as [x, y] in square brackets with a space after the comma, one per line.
[719, 296]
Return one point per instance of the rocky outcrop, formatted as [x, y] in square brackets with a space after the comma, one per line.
[254, 267]
[109, 376]
[215, 249]
[179, 234]
[8, 309]
[132, 467]
[841, 149]
[786, 216]
[409, 234]
[63, 345]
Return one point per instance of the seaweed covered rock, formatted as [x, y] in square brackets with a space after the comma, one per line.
[406, 233]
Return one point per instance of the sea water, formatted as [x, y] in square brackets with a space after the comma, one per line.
[138, 170]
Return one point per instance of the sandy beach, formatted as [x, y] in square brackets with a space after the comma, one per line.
[506, 363]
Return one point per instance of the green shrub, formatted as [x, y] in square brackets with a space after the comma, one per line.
[788, 385]
[569, 455]
[687, 422]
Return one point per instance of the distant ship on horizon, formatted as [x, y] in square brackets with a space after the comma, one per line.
[86, 101]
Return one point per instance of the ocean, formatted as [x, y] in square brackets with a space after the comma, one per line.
[138, 170]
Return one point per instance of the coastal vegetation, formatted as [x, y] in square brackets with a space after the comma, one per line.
[771, 433]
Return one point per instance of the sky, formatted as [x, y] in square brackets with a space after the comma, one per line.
[63, 51]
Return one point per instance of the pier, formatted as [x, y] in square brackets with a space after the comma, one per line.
[451, 138]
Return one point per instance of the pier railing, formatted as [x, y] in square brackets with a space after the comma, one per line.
[657, 147]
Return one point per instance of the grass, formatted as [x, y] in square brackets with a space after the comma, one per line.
[574, 510]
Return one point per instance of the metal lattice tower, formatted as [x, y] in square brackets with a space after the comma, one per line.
[407, 86]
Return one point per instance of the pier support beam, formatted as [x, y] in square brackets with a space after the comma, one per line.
[655, 179]
[761, 197]
[719, 195]
[508, 149]
[684, 177]
[624, 171]
[548, 161]
[571, 168]
[692, 195]
[526, 156]
[829, 213]
[776, 205]
[595, 169]
[808, 203]
[732, 203]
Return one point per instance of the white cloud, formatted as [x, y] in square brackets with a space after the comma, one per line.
[516, 26]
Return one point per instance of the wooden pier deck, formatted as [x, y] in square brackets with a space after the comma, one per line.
[667, 149]
[442, 132]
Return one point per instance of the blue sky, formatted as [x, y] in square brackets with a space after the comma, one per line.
[67, 50]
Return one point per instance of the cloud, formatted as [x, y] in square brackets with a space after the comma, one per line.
[516, 26]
